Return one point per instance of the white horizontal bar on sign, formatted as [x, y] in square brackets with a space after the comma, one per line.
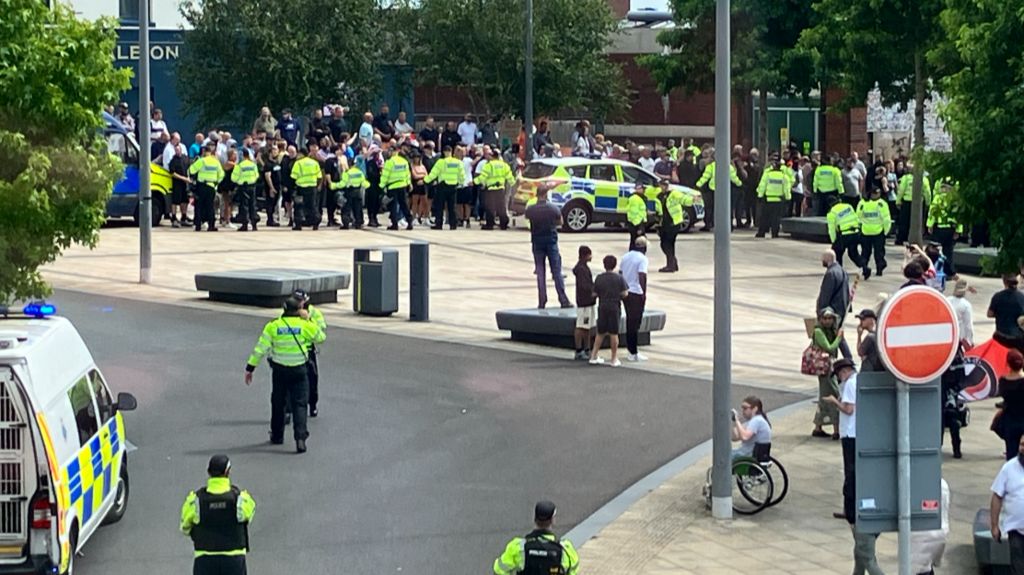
[922, 334]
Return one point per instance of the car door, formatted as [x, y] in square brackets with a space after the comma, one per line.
[606, 186]
[85, 470]
[634, 175]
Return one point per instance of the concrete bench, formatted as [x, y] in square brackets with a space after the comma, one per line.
[555, 326]
[990, 555]
[968, 260]
[269, 287]
[811, 228]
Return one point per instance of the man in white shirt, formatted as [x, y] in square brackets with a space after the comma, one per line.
[402, 126]
[864, 560]
[171, 150]
[633, 267]
[1008, 500]
[646, 161]
[467, 130]
[157, 126]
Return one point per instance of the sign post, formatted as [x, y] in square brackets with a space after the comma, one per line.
[918, 337]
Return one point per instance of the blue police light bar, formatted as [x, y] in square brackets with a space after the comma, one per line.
[39, 309]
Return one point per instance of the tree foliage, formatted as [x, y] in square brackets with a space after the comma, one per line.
[858, 46]
[983, 115]
[56, 74]
[244, 54]
[764, 34]
[478, 46]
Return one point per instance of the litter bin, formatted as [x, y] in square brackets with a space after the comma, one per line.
[375, 281]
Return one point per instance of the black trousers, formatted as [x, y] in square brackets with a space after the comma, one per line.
[352, 212]
[373, 194]
[307, 210]
[313, 375]
[667, 235]
[822, 201]
[772, 218]
[1016, 540]
[740, 208]
[219, 565]
[903, 223]
[204, 206]
[709, 208]
[634, 305]
[944, 236]
[293, 383]
[951, 421]
[873, 245]
[634, 233]
[400, 206]
[444, 200]
[271, 206]
[495, 207]
[848, 243]
[849, 477]
[247, 205]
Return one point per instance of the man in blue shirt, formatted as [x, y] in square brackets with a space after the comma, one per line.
[544, 219]
[197, 146]
[287, 128]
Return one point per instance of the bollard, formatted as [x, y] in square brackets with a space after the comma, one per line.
[419, 281]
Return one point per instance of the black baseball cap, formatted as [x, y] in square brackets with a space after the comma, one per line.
[866, 314]
[544, 511]
[841, 364]
[300, 294]
[219, 465]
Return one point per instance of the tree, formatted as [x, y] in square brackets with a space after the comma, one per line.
[244, 54]
[858, 46]
[478, 46]
[764, 34]
[983, 115]
[56, 74]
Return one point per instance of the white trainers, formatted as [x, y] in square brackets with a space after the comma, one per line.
[636, 357]
[597, 361]
[615, 363]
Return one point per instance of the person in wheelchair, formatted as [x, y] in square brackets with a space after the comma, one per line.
[754, 429]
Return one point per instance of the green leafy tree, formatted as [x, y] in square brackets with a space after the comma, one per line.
[764, 34]
[983, 115]
[244, 54]
[56, 74]
[858, 46]
[478, 46]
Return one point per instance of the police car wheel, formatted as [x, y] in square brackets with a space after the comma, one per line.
[117, 510]
[73, 546]
[158, 210]
[689, 217]
[576, 216]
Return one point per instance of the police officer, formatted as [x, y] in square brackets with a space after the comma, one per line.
[844, 230]
[450, 175]
[396, 180]
[351, 188]
[540, 551]
[495, 177]
[288, 340]
[942, 226]
[826, 186]
[312, 366]
[669, 207]
[217, 519]
[708, 178]
[875, 222]
[775, 189]
[904, 199]
[245, 176]
[208, 173]
[636, 214]
[307, 175]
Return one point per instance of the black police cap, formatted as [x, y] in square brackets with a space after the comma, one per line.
[219, 465]
[544, 511]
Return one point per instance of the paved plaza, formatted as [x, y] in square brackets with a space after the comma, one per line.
[476, 273]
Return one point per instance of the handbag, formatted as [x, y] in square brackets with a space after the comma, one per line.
[997, 424]
[815, 361]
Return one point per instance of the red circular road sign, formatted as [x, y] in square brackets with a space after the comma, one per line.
[918, 335]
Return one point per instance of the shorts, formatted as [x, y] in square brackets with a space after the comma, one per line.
[286, 195]
[420, 190]
[179, 193]
[586, 317]
[466, 195]
[608, 321]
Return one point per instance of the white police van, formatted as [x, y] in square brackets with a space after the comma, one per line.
[63, 462]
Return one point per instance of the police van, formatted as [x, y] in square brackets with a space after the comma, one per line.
[63, 461]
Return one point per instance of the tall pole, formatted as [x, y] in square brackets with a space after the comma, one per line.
[721, 488]
[528, 82]
[903, 475]
[145, 191]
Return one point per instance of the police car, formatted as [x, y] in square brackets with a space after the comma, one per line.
[63, 462]
[594, 190]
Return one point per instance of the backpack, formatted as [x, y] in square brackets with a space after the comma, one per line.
[542, 556]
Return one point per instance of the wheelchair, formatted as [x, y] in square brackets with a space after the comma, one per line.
[759, 482]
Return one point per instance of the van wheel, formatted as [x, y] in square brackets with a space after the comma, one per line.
[120, 498]
[689, 218]
[158, 210]
[73, 546]
[576, 216]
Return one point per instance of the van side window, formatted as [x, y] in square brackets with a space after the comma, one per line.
[103, 401]
[85, 413]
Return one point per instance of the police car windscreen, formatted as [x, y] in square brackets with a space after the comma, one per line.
[535, 170]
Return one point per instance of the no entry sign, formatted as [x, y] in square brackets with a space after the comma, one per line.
[918, 334]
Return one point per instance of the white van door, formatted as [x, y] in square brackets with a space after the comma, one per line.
[17, 468]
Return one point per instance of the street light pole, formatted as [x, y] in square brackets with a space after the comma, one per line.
[721, 487]
[145, 191]
[528, 82]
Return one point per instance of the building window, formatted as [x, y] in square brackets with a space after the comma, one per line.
[129, 11]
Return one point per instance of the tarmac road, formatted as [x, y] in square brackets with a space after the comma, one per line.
[426, 458]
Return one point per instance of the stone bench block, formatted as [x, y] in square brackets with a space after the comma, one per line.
[269, 287]
[555, 326]
[811, 228]
[968, 260]
[990, 555]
